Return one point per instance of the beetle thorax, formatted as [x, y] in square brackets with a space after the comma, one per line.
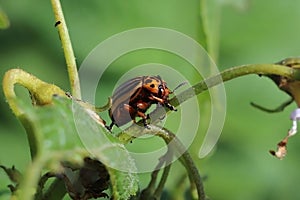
[156, 87]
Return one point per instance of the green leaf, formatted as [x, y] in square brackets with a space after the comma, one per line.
[4, 21]
[65, 132]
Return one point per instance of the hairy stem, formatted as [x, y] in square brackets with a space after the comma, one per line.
[61, 25]
[31, 178]
[41, 94]
[40, 91]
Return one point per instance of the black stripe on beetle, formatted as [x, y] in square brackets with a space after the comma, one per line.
[134, 97]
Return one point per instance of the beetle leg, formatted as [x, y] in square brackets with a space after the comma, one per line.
[163, 102]
[126, 108]
[159, 100]
[144, 117]
[170, 106]
[130, 109]
[134, 112]
[141, 108]
[142, 105]
[110, 126]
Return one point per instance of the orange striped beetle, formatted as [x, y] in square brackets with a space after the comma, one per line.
[133, 98]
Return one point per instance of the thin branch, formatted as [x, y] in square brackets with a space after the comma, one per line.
[61, 25]
[148, 192]
[171, 139]
[185, 159]
[235, 72]
[280, 108]
[163, 179]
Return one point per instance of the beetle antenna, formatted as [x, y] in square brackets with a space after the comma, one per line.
[178, 86]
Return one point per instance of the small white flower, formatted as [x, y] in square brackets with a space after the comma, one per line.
[282, 145]
[295, 116]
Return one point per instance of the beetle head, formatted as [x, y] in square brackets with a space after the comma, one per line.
[156, 86]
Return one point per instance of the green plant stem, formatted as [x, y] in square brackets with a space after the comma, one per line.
[210, 26]
[234, 72]
[184, 157]
[180, 188]
[41, 91]
[203, 24]
[186, 160]
[67, 47]
[158, 191]
[30, 180]
[41, 94]
[150, 192]
[193, 173]
[147, 193]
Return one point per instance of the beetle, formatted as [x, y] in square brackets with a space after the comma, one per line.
[133, 98]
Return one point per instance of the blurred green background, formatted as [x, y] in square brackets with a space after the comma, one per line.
[243, 32]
